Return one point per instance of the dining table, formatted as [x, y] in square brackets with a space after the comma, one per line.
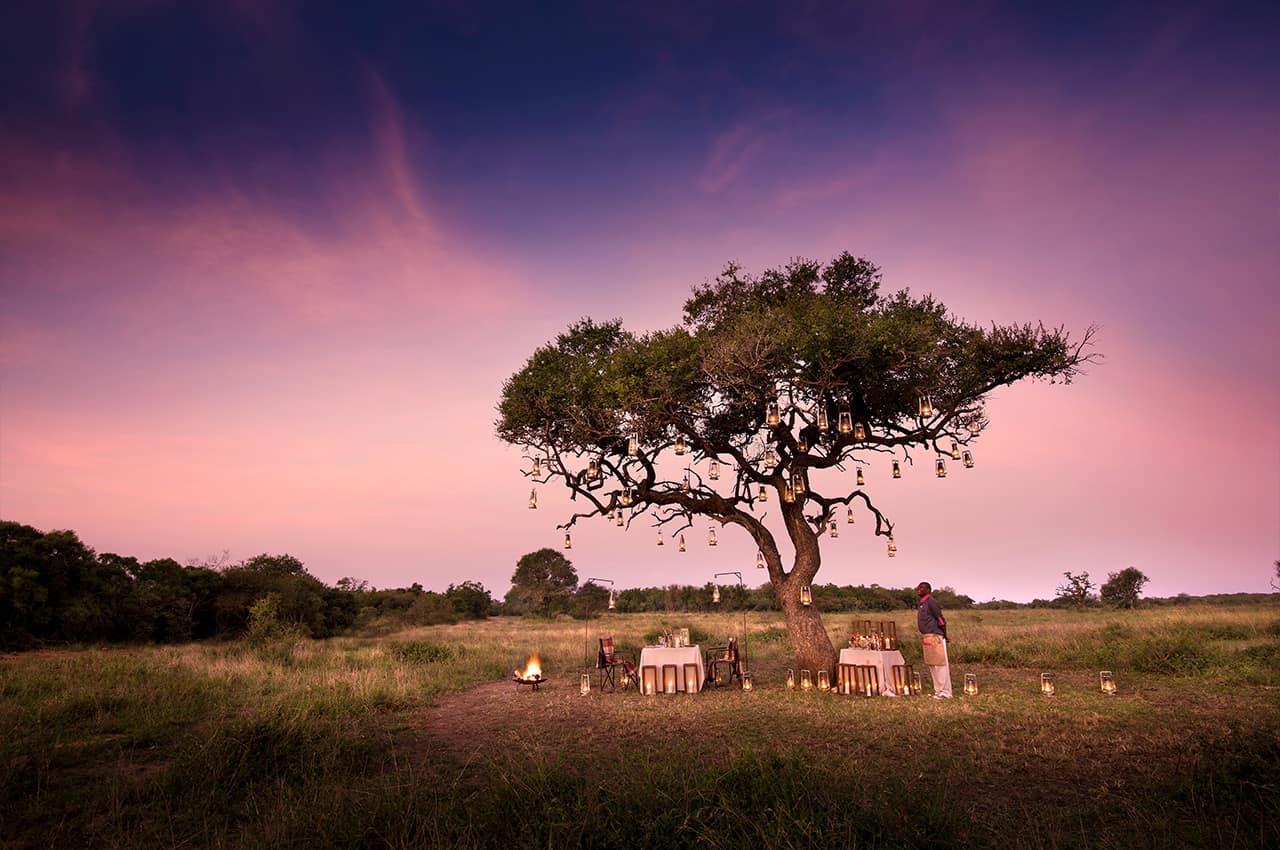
[661, 656]
[884, 660]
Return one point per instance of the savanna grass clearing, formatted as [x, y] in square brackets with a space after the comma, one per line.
[417, 739]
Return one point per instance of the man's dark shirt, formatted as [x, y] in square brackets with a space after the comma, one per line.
[929, 617]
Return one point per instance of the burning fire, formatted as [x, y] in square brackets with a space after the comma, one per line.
[532, 670]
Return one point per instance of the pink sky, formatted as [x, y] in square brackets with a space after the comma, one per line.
[190, 365]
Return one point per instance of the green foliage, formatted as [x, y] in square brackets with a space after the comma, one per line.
[267, 624]
[422, 652]
[1123, 588]
[1077, 590]
[542, 584]
[469, 599]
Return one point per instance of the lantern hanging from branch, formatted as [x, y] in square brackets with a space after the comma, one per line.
[806, 596]
[770, 458]
[926, 407]
[620, 521]
[897, 470]
[974, 428]
[861, 479]
[955, 450]
[850, 516]
[713, 471]
[537, 466]
[893, 548]
[760, 560]
[711, 537]
[660, 540]
[940, 468]
[681, 446]
[568, 541]
[633, 444]
[715, 593]
[681, 542]
[788, 493]
[593, 469]
[823, 424]
[859, 432]
[613, 603]
[797, 482]
[968, 459]
[533, 498]
[802, 445]
[846, 422]
[626, 497]
[835, 529]
[763, 496]
[771, 416]
[684, 484]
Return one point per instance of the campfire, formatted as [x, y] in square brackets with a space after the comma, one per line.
[531, 674]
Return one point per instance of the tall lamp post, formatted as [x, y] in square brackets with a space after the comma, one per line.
[586, 621]
[715, 597]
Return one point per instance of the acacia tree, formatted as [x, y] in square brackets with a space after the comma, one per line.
[771, 387]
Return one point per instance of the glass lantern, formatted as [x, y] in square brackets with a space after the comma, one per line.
[850, 516]
[763, 496]
[568, 541]
[806, 680]
[593, 469]
[759, 560]
[955, 450]
[861, 479]
[917, 685]
[846, 422]
[715, 593]
[897, 469]
[533, 498]
[806, 596]
[711, 537]
[791, 679]
[1046, 684]
[970, 684]
[1108, 682]
[772, 416]
[823, 424]
[940, 468]
[770, 457]
[713, 471]
[682, 543]
[968, 459]
[584, 686]
[824, 681]
[681, 446]
[797, 482]
[926, 407]
[633, 445]
[788, 493]
[747, 684]
[802, 445]
[859, 432]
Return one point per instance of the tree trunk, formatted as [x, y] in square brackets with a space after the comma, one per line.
[810, 642]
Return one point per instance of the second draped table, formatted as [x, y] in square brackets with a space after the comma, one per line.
[659, 656]
[885, 660]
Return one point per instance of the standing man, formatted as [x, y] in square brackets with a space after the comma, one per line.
[934, 628]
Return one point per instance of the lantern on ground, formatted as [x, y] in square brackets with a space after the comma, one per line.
[1046, 684]
[846, 422]
[670, 684]
[902, 679]
[806, 596]
[824, 681]
[771, 414]
[533, 498]
[791, 679]
[713, 471]
[968, 459]
[823, 424]
[897, 470]
[584, 684]
[916, 685]
[970, 684]
[1108, 683]
[806, 681]
[866, 680]
[940, 468]
[649, 680]
[861, 479]
[746, 682]
[568, 541]
[633, 444]
[859, 432]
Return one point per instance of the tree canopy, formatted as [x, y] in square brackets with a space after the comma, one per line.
[1123, 588]
[770, 383]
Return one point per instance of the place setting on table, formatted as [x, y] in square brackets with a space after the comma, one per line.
[673, 665]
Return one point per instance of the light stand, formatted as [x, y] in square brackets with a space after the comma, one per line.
[586, 621]
[743, 646]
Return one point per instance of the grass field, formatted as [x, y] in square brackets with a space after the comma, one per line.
[418, 739]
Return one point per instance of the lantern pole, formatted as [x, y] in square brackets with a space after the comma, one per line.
[586, 624]
[744, 607]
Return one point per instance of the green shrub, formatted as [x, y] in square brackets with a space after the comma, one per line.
[422, 652]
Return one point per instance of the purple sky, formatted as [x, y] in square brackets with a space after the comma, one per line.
[264, 267]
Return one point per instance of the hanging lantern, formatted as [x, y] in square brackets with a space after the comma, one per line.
[861, 480]
[850, 516]
[612, 512]
[620, 519]
[661, 542]
[626, 498]
[846, 422]
[711, 537]
[835, 529]
[974, 428]
[926, 407]
[806, 596]
[897, 470]
[893, 548]
[823, 424]
[680, 445]
[713, 471]
[802, 445]
[770, 457]
[684, 485]
[968, 459]
[955, 450]
[1046, 684]
[681, 542]
[791, 679]
[771, 416]
[533, 498]
[797, 482]
[763, 496]
[568, 541]
[940, 467]
[1108, 682]
[760, 560]
[970, 684]
[788, 494]
[715, 593]
[633, 444]
[806, 681]
[859, 432]
[593, 468]
[584, 684]
[613, 603]
[537, 466]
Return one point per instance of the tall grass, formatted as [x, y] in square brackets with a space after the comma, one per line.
[315, 744]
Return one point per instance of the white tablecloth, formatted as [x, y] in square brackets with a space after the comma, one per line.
[657, 656]
[884, 660]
